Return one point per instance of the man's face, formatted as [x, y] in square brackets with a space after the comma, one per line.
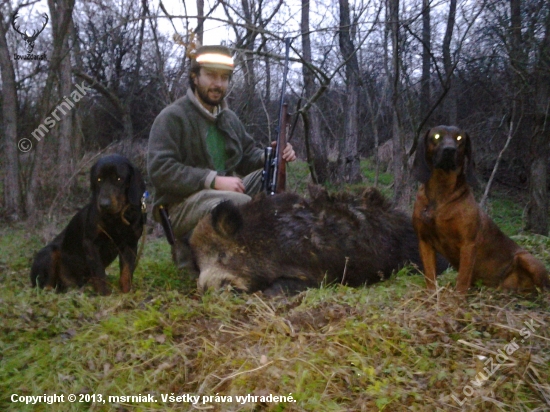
[211, 86]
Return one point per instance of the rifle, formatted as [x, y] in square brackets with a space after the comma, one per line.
[274, 173]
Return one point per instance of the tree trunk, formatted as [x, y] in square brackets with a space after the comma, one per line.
[78, 137]
[451, 99]
[517, 55]
[128, 144]
[63, 17]
[165, 94]
[425, 95]
[12, 189]
[401, 186]
[65, 155]
[200, 21]
[537, 210]
[61, 12]
[316, 150]
[348, 156]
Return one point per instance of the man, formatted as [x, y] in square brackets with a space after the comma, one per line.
[198, 149]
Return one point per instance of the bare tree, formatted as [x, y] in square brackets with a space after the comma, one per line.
[56, 75]
[200, 21]
[537, 209]
[315, 146]
[451, 58]
[401, 188]
[451, 100]
[348, 157]
[253, 19]
[517, 55]
[113, 65]
[134, 86]
[425, 95]
[511, 132]
[529, 74]
[61, 12]
[12, 189]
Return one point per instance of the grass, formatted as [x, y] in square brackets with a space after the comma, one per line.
[391, 347]
[298, 178]
[507, 213]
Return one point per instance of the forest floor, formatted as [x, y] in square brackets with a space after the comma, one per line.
[393, 346]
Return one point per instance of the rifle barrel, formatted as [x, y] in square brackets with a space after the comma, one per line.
[278, 179]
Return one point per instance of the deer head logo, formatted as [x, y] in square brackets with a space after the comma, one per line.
[29, 39]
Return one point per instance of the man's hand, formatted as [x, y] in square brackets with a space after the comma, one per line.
[229, 183]
[288, 153]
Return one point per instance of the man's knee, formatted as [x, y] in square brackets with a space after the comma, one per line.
[253, 182]
[186, 215]
[237, 198]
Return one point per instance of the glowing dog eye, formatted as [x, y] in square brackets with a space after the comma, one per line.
[459, 138]
[437, 136]
[119, 178]
[99, 179]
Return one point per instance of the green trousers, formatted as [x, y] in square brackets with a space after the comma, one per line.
[185, 216]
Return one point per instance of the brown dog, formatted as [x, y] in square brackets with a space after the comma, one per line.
[447, 219]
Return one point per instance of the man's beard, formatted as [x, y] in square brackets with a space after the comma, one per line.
[203, 94]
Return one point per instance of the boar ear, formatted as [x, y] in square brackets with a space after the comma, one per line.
[317, 192]
[420, 170]
[227, 219]
[374, 198]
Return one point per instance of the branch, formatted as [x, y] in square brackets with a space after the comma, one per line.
[327, 79]
[511, 133]
[447, 83]
[115, 101]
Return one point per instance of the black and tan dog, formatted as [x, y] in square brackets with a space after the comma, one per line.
[107, 227]
[448, 220]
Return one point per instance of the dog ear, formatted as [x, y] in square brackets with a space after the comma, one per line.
[420, 170]
[137, 186]
[471, 178]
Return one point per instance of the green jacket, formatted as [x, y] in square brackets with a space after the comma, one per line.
[178, 162]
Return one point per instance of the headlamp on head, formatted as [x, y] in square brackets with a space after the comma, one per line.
[216, 61]
[214, 57]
